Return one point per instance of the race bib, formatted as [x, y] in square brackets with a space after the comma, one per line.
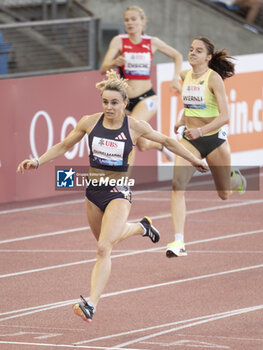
[107, 152]
[194, 96]
[137, 63]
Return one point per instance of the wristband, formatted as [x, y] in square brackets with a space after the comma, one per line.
[200, 132]
[36, 160]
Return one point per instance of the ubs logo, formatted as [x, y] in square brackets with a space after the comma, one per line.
[112, 144]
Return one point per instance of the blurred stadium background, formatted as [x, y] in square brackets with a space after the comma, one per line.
[50, 52]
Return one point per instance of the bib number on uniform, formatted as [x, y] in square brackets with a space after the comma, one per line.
[137, 63]
[194, 96]
[107, 152]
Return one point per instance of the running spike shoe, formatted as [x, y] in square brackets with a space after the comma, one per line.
[243, 183]
[84, 311]
[175, 249]
[150, 230]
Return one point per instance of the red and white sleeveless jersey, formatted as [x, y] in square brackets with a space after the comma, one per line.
[138, 58]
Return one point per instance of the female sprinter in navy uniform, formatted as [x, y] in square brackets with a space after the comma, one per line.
[132, 54]
[205, 112]
[111, 139]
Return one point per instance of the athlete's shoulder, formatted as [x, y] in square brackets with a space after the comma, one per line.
[215, 82]
[137, 124]
[183, 73]
[213, 73]
[155, 40]
[90, 117]
[133, 122]
[116, 40]
[214, 77]
[88, 121]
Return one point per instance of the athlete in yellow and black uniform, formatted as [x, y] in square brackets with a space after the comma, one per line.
[205, 114]
[200, 102]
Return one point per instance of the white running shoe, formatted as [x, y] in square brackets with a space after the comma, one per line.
[243, 185]
[175, 249]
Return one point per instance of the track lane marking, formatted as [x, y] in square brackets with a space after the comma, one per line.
[41, 235]
[71, 264]
[124, 291]
[66, 346]
[192, 324]
[132, 252]
[42, 206]
[165, 325]
[156, 217]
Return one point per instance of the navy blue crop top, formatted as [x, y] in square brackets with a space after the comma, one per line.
[110, 148]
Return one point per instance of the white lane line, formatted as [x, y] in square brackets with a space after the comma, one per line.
[47, 268]
[65, 346]
[165, 325]
[226, 251]
[55, 305]
[226, 206]
[159, 251]
[219, 337]
[40, 235]
[156, 217]
[71, 264]
[234, 235]
[199, 200]
[192, 324]
[127, 253]
[43, 206]
[63, 250]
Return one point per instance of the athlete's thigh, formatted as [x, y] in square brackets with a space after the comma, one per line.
[114, 220]
[183, 169]
[219, 162]
[94, 215]
[145, 109]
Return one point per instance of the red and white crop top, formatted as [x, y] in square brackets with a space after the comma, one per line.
[138, 58]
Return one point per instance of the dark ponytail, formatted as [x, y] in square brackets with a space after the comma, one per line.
[220, 61]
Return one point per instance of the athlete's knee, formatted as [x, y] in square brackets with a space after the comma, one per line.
[104, 249]
[224, 195]
[178, 185]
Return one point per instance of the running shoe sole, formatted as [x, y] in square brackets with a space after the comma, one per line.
[171, 254]
[79, 310]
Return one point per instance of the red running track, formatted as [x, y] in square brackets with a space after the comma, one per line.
[211, 299]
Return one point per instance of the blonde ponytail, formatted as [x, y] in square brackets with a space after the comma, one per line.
[114, 83]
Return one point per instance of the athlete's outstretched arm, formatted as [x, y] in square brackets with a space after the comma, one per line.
[144, 129]
[57, 150]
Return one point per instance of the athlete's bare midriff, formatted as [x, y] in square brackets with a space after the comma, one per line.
[196, 122]
[138, 87]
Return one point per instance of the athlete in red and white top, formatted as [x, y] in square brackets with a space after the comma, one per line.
[138, 58]
[132, 54]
